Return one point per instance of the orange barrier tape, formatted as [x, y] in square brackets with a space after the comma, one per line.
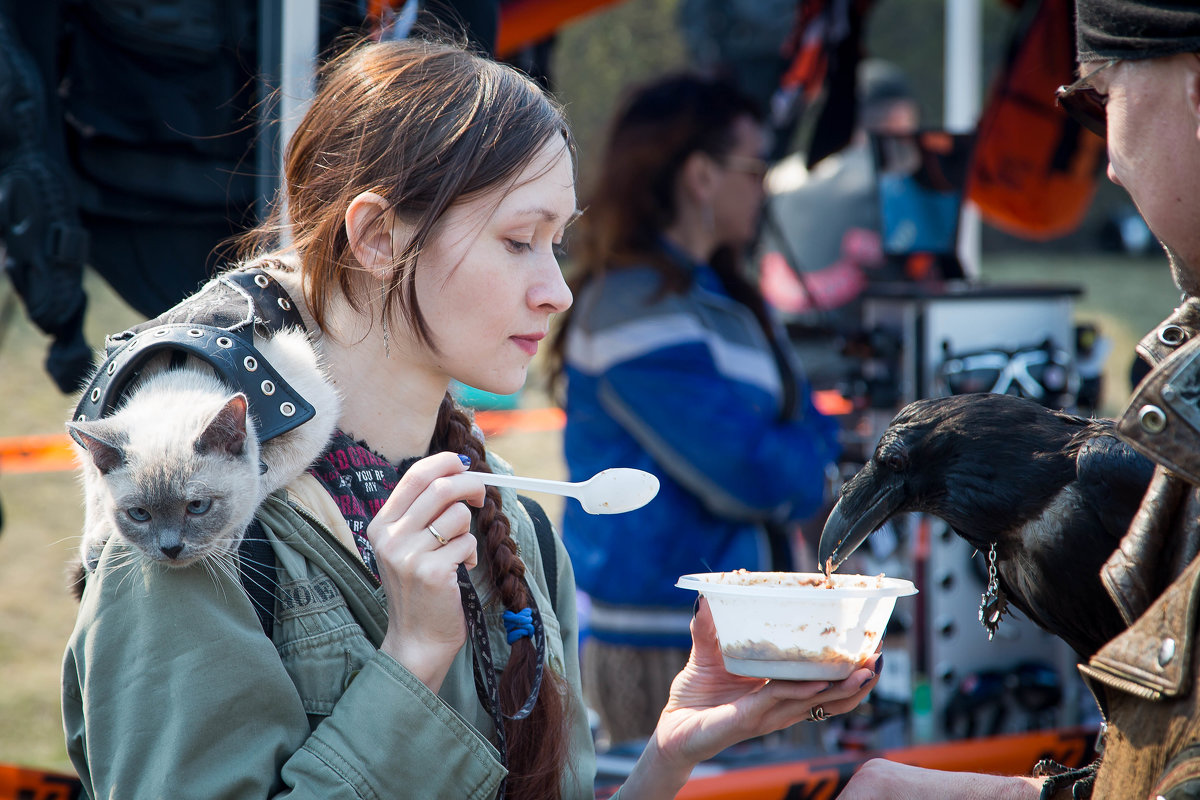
[526, 22]
[811, 779]
[824, 778]
[47, 453]
[54, 451]
[18, 783]
[520, 420]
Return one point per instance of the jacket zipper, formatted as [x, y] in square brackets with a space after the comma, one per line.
[363, 571]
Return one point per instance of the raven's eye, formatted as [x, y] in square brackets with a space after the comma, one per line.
[199, 507]
[896, 461]
[138, 514]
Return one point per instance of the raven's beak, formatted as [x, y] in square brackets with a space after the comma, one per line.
[864, 505]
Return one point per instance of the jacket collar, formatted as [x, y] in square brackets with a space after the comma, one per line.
[1153, 658]
[1162, 422]
[1154, 575]
[1176, 330]
[1163, 418]
[307, 491]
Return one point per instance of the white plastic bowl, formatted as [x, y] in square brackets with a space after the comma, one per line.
[795, 625]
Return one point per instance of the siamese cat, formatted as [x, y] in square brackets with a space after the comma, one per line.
[178, 471]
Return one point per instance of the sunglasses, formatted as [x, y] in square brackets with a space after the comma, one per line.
[1084, 104]
[1041, 372]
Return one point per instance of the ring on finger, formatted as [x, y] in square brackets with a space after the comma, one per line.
[433, 532]
[816, 714]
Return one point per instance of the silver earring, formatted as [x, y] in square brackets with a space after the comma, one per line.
[387, 334]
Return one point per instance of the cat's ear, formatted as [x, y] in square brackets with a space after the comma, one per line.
[101, 444]
[226, 432]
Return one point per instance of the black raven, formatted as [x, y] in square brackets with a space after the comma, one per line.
[1054, 493]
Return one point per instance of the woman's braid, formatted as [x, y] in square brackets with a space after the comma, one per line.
[538, 744]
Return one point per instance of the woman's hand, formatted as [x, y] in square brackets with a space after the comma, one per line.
[711, 709]
[881, 778]
[426, 626]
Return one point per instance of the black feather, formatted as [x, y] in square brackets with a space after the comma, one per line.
[1053, 492]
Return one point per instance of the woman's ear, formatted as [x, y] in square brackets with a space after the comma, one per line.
[369, 232]
[698, 177]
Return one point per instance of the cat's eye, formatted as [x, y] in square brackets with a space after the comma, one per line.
[138, 514]
[199, 506]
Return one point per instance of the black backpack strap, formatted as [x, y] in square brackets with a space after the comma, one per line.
[545, 537]
[256, 563]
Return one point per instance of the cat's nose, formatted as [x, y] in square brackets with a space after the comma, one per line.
[172, 550]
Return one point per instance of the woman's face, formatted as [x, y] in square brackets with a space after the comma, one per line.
[488, 281]
[737, 201]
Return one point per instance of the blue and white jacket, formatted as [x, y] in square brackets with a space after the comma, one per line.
[684, 386]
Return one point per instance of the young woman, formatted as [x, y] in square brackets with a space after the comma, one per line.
[426, 191]
[673, 365]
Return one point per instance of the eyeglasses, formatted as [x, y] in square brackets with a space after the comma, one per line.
[754, 167]
[1084, 103]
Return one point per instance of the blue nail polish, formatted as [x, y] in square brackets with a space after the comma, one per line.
[466, 460]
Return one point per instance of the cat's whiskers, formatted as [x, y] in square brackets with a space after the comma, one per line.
[79, 581]
[257, 574]
[226, 562]
[259, 568]
[123, 562]
[121, 555]
[221, 577]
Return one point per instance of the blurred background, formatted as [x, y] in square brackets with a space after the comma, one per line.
[1105, 279]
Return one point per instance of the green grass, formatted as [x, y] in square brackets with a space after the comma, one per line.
[42, 515]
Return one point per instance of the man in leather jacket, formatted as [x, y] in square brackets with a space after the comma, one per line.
[1140, 89]
[1140, 63]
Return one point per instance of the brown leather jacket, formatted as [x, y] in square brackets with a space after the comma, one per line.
[1145, 679]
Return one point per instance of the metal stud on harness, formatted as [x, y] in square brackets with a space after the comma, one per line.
[217, 325]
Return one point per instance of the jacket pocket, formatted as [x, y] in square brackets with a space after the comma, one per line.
[323, 664]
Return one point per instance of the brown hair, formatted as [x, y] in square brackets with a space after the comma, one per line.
[425, 125]
[658, 126]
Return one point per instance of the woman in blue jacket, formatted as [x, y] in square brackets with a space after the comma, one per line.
[672, 364]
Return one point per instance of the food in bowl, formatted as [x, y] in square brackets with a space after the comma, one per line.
[797, 625]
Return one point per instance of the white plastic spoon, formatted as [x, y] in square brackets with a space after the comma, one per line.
[612, 491]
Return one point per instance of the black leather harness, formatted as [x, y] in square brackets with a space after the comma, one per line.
[216, 325]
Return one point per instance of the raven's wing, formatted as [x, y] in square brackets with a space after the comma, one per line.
[1056, 580]
[1111, 478]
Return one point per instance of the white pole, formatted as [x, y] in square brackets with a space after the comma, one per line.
[963, 82]
[300, 22]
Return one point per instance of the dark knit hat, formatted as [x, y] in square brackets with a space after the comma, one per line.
[1132, 29]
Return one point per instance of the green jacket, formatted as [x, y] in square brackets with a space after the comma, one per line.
[171, 689]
